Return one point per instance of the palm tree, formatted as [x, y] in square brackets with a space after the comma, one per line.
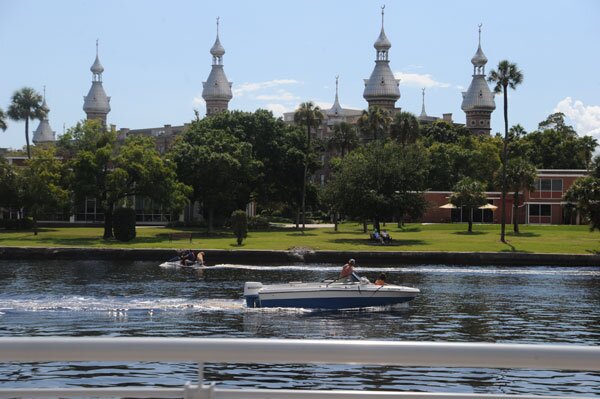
[26, 104]
[507, 75]
[375, 121]
[3, 125]
[405, 128]
[520, 175]
[309, 115]
[344, 137]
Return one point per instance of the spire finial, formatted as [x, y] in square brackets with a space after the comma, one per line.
[423, 113]
[382, 12]
[336, 84]
[480, 25]
[44, 92]
[218, 26]
[96, 47]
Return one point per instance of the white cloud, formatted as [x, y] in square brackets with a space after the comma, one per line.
[198, 100]
[419, 80]
[585, 117]
[323, 105]
[255, 86]
[281, 95]
[277, 109]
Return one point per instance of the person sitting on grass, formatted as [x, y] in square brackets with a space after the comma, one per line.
[386, 236]
[377, 236]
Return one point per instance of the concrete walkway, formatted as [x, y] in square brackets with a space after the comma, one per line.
[308, 226]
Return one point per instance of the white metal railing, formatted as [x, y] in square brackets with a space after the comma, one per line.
[227, 350]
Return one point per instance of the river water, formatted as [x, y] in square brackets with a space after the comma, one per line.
[456, 304]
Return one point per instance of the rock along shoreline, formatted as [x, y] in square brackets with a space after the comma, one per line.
[272, 257]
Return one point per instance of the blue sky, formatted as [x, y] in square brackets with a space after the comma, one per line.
[280, 53]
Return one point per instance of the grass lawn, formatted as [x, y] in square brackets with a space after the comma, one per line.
[414, 237]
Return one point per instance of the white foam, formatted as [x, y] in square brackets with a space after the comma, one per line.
[117, 305]
[562, 271]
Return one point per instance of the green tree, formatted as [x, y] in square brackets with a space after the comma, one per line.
[218, 167]
[379, 181]
[239, 225]
[9, 185]
[442, 131]
[507, 75]
[112, 172]
[375, 123]
[520, 175]
[310, 116]
[469, 194]
[344, 138]
[270, 139]
[588, 145]
[556, 145]
[475, 157]
[585, 194]
[41, 185]
[26, 104]
[405, 128]
[3, 124]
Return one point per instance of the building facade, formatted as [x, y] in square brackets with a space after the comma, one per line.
[543, 205]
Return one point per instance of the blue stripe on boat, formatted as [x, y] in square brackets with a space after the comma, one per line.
[332, 303]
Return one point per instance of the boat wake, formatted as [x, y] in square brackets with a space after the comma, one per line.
[117, 305]
[442, 269]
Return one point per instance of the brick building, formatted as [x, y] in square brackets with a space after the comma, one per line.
[544, 205]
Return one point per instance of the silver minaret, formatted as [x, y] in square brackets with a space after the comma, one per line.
[478, 101]
[97, 104]
[382, 88]
[217, 89]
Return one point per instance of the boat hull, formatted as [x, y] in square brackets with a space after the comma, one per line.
[326, 296]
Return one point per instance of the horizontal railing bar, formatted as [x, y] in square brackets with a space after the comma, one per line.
[255, 394]
[149, 392]
[280, 351]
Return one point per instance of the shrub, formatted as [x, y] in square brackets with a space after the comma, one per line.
[239, 225]
[124, 224]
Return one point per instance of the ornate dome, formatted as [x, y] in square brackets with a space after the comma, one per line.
[478, 96]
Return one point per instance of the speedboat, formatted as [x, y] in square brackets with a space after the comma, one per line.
[347, 293]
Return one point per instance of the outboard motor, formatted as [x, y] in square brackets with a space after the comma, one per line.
[251, 289]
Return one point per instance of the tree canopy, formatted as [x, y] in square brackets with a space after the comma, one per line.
[113, 172]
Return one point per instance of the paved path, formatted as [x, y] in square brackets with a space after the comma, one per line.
[308, 226]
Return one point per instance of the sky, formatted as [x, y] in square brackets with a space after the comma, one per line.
[281, 53]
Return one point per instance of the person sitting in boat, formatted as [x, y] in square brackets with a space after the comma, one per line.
[188, 258]
[381, 279]
[348, 269]
[200, 258]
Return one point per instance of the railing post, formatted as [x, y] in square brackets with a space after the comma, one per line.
[199, 391]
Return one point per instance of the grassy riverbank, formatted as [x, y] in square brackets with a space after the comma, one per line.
[414, 237]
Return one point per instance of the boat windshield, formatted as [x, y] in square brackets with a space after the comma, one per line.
[355, 277]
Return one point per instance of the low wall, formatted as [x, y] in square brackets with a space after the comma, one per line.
[266, 257]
